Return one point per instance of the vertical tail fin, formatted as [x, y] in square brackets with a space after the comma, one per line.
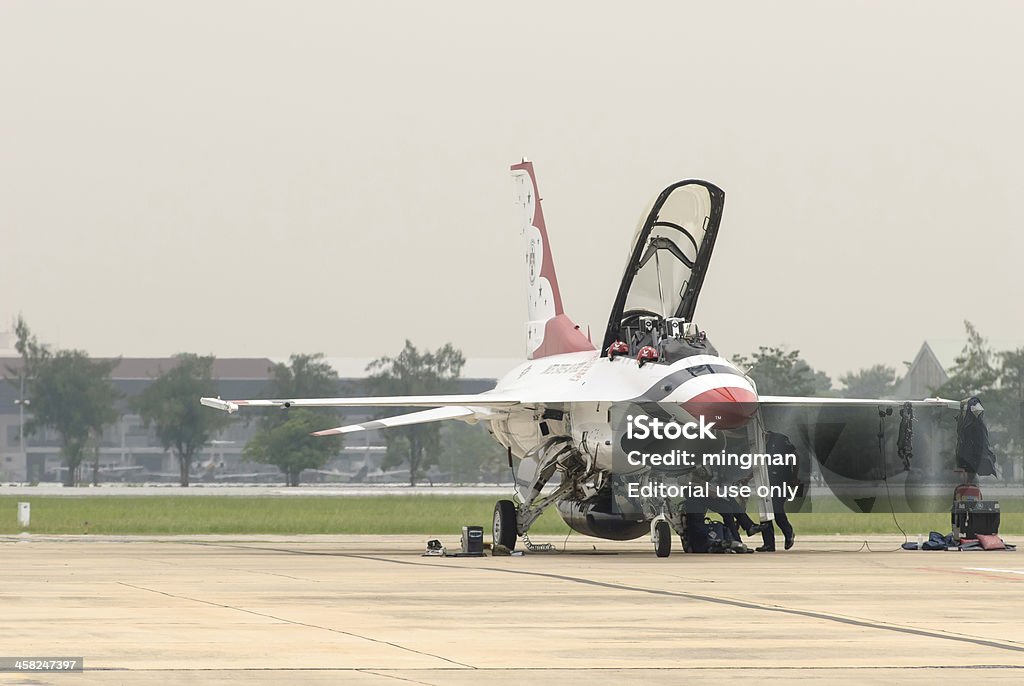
[548, 330]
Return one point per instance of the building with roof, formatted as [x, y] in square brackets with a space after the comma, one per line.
[924, 375]
[126, 447]
[130, 451]
[934, 362]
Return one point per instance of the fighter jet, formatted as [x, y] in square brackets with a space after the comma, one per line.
[553, 413]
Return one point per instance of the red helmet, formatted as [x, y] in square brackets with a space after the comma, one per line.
[617, 348]
[648, 353]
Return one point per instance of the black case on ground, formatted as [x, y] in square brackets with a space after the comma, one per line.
[972, 517]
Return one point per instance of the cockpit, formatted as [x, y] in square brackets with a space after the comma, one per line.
[669, 259]
[673, 338]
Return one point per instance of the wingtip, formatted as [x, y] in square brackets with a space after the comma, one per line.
[219, 404]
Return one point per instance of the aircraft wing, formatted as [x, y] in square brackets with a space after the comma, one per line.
[858, 441]
[435, 414]
[480, 400]
[795, 400]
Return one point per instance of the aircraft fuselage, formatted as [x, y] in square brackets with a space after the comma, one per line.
[585, 385]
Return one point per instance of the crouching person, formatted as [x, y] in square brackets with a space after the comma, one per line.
[695, 531]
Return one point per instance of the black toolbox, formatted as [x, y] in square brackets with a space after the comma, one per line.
[973, 517]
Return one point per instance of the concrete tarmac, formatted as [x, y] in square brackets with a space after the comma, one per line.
[371, 610]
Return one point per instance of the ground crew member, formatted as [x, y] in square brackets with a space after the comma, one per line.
[777, 476]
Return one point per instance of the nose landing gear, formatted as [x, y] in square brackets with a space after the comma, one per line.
[661, 535]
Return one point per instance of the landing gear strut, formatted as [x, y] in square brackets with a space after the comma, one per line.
[505, 532]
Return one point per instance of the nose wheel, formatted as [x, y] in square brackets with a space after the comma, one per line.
[661, 535]
[505, 532]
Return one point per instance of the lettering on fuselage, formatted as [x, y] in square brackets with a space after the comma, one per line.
[577, 369]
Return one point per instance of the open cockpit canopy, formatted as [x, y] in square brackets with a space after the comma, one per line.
[669, 258]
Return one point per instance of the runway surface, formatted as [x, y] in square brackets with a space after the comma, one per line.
[362, 609]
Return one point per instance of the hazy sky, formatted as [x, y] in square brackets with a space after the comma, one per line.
[254, 178]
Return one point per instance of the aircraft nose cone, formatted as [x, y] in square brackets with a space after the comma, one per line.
[728, 408]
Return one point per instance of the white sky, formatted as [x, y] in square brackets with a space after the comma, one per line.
[261, 178]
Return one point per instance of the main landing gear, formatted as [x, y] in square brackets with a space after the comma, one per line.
[505, 531]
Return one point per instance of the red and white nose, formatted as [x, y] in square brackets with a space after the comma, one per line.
[728, 407]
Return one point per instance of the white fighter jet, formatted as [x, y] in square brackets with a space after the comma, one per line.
[553, 411]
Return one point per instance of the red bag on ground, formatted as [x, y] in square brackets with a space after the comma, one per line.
[990, 542]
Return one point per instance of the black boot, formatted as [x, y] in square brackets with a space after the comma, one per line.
[758, 528]
[767, 538]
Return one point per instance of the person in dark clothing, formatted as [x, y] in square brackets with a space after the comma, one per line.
[734, 518]
[741, 520]
[778, 475]
[696, 531]
[732, 511]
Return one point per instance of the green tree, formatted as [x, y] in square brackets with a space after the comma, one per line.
[73, 396]
[974, 372]
[470, 454]
[171, 405]
[1011, 372]
[413, 372]
[778, 372]
[290, 446]
[304, 376]
[32, 352]
[877, 381]
[284, 438]
[28, 348]
[998, 379]
[1009, 404]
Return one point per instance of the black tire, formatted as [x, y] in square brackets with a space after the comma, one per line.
[504, 531]
[662, 539]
